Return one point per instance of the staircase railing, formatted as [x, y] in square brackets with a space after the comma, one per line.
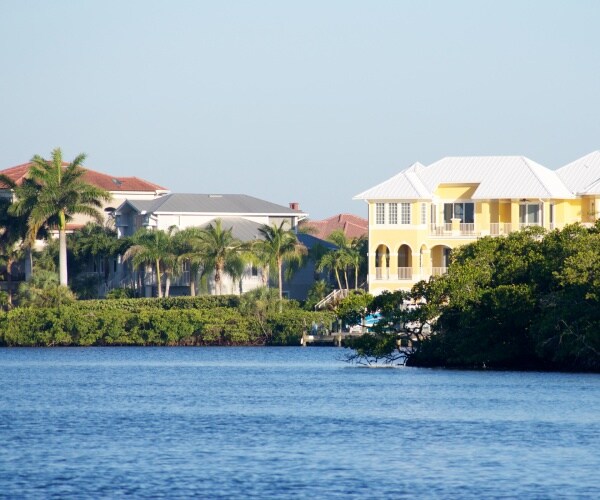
[334, 296]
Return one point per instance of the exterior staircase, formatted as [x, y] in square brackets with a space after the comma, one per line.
[332, 298]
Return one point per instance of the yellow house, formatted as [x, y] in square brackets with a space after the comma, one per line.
[418, 216]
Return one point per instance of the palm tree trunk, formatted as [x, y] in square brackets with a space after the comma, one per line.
[346, 277]
[217, 280]
[28, 263]
[168, 285]
[158, 280]
[337, 277]
[62, 256]
[356, 277]
[279, 273]
[192, 284]
[9, 280]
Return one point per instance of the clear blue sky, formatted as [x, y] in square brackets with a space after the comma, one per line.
[308, 101]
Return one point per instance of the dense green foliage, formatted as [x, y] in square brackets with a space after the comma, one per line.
[530, 300]
[207, 320]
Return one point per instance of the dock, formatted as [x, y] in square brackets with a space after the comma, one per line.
[328, 338]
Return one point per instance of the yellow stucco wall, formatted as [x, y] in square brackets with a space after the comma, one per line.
[426, 249]
[455, 191]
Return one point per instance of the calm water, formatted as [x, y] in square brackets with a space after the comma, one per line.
[287, 423]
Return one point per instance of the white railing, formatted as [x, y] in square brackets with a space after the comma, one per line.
[442, 229]
[334, 296]
[467, 228]
[382, 273]
[405, 273]
[498, 228]
[446, 229]
[438, 271]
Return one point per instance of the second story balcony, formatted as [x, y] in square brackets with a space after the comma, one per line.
[474, 230]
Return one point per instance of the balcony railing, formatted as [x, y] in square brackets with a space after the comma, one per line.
[446, 229]
[405, 273]
[472, 230]
[382, 273]
[440, 229]
[498, 228]
[438, 271]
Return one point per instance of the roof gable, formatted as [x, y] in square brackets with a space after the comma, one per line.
[406, 185]
[582, 176]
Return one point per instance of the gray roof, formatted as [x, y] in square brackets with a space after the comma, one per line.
[212, 204]
[242, 229]
[309, 241]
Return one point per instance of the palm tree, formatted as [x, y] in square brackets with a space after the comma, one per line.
[17, 217]
[329, 260]
[61, 194]
[220, 250]
[349, 253]
[186, 243]
[152, 248]
[12, 232]
[280, 245]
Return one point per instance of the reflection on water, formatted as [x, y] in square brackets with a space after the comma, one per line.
[287, 423]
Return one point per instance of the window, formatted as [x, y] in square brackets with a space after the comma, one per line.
[465, 212]
[393, 213]
[379, 213]
[433, 213]
[404, 213]
[254, 271]
[529, 213]
[423, 213]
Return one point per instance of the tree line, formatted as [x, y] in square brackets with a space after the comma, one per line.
[54, 192]
[528, 300]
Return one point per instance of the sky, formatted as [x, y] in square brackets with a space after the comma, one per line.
[303, 101]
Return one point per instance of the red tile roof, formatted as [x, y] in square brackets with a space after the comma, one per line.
[352, 225]
[104, 181]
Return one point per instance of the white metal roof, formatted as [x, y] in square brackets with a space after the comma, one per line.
[406, 185]
[582, 176]
[505, 177]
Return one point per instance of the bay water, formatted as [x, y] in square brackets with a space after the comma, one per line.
[266, 422]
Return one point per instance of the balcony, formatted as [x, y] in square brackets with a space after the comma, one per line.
[472, 230]
[405, 273]
[446, 229]
[382, 273]
[438, 271]
[498, 228]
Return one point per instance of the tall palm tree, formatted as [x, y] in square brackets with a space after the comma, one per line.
[151, 248]
[281, 245]
[12, 232]
[17, 216]
[61, 194]
[220, 250]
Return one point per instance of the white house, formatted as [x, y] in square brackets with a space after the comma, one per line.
[242, 213]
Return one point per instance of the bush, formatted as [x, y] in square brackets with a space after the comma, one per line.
[136, 322]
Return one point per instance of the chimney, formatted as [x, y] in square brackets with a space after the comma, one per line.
[294, 205]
